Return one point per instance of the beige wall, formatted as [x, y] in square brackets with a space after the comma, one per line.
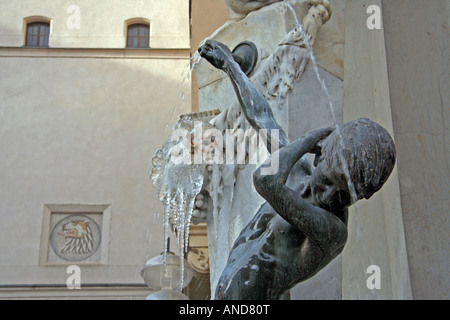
[206, 17]
[102, 23]
[79, 127]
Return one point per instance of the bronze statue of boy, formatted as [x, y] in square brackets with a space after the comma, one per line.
[303, 224]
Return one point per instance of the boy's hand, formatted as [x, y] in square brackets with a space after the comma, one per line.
[315, 136]
[218, 54]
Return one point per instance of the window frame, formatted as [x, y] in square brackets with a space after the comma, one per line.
[41, 22]
[137, 22]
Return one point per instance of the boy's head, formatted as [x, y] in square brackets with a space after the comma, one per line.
[360, 149]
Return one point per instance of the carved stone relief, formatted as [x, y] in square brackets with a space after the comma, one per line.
[198, 253]
[198, 258]
[75, 233]
[75, 237]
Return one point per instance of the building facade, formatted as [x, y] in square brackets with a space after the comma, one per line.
[88, 90]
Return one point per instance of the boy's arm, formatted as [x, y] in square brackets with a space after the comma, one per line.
[255, 107]
[321, 226]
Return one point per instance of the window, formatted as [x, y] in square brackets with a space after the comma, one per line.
[37, 34]
[138, 36]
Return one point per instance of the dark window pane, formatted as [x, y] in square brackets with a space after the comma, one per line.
[138, 36]
[38, 34]
[144, 42]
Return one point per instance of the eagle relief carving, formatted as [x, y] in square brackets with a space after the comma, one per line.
[75, 238]
[78, 237]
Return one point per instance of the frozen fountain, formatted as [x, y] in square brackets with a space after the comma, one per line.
[281, 64]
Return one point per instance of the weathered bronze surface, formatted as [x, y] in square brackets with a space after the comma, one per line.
[303, 224]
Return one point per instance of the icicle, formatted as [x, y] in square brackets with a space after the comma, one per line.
[177, 186]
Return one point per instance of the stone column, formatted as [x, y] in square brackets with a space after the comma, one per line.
[376, 232]
[417, 37]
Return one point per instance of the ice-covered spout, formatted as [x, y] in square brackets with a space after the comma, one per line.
[177, 183]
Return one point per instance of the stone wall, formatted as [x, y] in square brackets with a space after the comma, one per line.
[80, 122]
[396, 76]
[418, 56]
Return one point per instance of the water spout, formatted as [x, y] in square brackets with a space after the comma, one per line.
[330, 105]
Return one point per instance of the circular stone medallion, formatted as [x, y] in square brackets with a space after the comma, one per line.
[75, 237]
